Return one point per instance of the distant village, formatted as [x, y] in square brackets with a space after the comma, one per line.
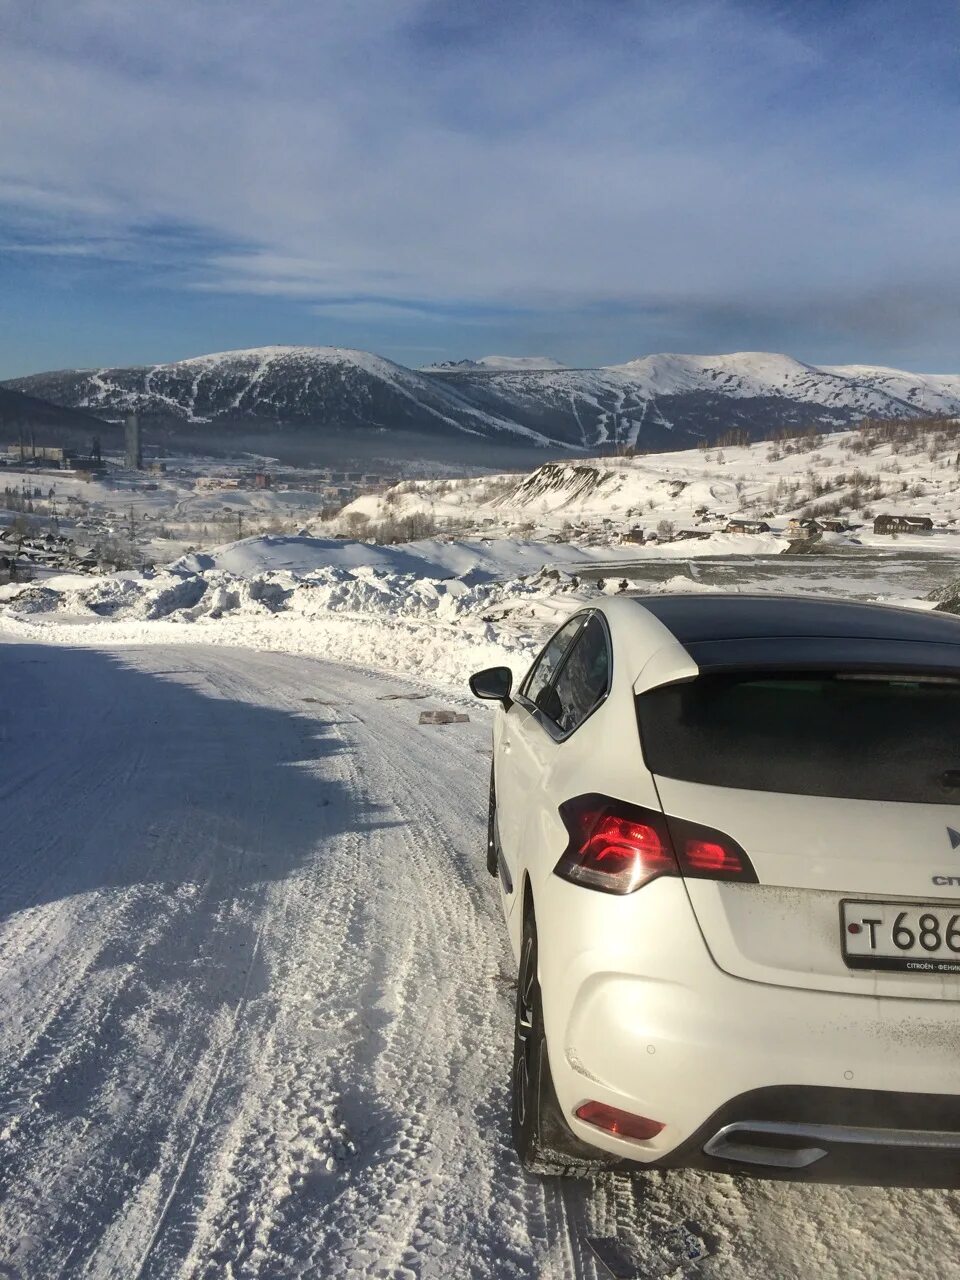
[798, 529]
[98, 538]
[32, 541]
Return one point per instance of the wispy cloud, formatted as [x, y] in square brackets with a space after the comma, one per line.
[398, 160]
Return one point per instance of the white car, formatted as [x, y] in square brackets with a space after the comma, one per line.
[726, 832]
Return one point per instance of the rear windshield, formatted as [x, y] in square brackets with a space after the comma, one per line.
[844, 735]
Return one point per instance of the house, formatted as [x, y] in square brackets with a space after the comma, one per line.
[800, 528]
[902, 524]
[746, 526]
[834, 526]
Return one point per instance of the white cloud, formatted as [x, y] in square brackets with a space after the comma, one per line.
[683, 154]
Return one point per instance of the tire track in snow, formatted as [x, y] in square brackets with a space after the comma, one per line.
[340, 1107]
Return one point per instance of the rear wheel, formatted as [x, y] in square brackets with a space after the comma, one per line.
[541, 1136]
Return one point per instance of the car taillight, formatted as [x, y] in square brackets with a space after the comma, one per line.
[614, 847]
[622, 1124]
[617, 847]
[705, 854]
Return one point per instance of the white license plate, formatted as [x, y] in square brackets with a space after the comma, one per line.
[908, 937]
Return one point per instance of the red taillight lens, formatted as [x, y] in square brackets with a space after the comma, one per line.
[614, 847]
[705, 854]
[620, 1123]
[617, 847]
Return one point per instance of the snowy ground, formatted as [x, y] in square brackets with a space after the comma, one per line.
[435, 609]
[257, 1003]
[859, 474]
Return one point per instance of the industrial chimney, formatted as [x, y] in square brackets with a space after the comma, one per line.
[134, 449]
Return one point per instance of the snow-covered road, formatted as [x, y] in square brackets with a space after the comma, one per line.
[255, 1002]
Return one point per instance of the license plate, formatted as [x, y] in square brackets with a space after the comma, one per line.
[908, 937]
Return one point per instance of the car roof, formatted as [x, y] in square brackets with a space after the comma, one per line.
[724, 632]
[728, 616]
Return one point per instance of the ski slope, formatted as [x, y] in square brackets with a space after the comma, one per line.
[257, 1003]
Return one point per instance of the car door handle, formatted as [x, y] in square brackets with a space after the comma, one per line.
[506, 744]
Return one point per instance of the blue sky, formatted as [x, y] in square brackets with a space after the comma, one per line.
[591, 181]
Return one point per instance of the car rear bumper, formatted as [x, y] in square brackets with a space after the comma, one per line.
[849, 1136]
[685, 1044]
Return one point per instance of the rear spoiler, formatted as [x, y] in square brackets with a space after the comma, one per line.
[824, 653]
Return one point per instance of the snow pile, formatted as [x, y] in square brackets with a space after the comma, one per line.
[429, 608]
[947, 597]
[435, 609]
[430, 557]
[444, 627]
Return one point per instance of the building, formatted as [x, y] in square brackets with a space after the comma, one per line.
[218, 482]
[134, 447]
[262, 480]
[799, 528]
[746, 526]
[902, 524]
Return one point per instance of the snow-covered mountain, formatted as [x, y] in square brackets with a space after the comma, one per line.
[329, 386]
[515, 364]
[666, 401]
[656, 402]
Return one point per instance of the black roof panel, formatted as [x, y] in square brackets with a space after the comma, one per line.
[718, 616]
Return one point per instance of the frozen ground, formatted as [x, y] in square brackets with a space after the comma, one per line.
[257, 1003]
[256, 998]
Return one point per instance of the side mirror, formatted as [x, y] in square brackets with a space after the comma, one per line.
[494, 684]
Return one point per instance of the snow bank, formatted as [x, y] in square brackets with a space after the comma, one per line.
[440, 610]
[441, 628]
[433, 558]
[432, 609]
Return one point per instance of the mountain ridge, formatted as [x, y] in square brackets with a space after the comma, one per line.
[663, 400]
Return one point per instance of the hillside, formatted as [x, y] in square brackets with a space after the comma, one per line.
[905, 467]
[328, 386]
[662, 401]
[659, 402]
[52, 423]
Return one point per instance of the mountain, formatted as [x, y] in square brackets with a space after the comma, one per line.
[515, 364]
[319, 394]
[50, 423]
[671, 401]
[330, 386]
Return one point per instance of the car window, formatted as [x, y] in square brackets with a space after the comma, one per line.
[545, 667]
[848, 736]
[584, 677]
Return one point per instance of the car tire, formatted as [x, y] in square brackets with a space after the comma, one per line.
[492, 829]
[541, 1136]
